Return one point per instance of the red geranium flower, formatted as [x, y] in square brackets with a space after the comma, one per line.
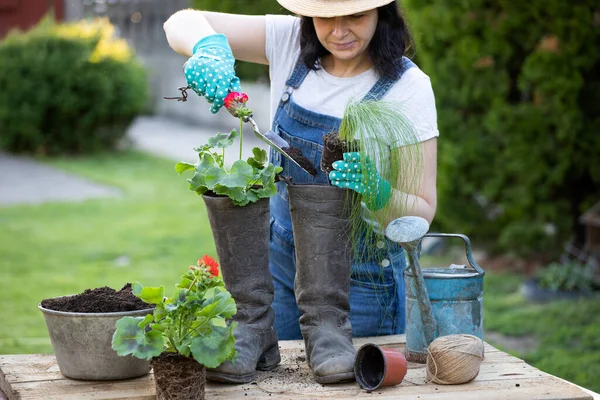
[235, 103]
[210, 264]
[235, 100]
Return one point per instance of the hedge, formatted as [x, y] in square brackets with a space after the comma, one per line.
[517, 87]
[67, 88]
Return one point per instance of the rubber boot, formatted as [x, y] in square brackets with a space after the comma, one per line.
[320, 222]
[241, 237]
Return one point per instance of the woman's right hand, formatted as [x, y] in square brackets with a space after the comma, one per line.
[210, 71]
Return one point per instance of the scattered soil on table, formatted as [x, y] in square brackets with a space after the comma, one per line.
[104, 299]
[304, 162]
[333, 150]
[293, 377]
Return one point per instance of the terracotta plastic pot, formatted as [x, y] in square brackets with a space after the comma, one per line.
[376, 366]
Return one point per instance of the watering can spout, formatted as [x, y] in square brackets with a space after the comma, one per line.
[408, 233]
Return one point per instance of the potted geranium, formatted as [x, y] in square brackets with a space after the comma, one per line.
[186, 333]
[245, 181]
[237, 204]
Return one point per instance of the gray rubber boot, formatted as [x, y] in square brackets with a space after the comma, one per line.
[320, 222]
[242, 240]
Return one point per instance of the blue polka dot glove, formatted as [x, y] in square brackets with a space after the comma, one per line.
[359, 173]
[210, 71]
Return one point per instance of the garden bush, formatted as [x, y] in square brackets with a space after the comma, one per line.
[517, 86]
[67, 88]
[246, 71]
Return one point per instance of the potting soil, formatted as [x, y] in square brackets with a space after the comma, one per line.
[333, 150]
[304, 162]
[104, 299]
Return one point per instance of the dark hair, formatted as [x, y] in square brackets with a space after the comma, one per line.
[390, 42]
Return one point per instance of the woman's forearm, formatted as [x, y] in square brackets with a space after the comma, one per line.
[403, 204]
[185, 28]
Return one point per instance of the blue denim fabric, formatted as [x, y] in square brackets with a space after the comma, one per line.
[377, 294]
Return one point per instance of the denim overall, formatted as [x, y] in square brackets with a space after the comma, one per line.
[377, 294]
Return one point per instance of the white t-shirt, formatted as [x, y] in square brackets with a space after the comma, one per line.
[413, 90]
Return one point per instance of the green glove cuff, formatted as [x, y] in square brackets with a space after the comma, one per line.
[384, 194]
[216, 40]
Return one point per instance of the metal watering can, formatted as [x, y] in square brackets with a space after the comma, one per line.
[439, 301]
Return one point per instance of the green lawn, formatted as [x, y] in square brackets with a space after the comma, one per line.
[158, 228]
[568, 332]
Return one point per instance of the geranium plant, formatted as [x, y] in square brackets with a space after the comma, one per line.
[246, 181]
[193, 322]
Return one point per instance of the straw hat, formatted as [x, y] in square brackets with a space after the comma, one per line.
[331, 8]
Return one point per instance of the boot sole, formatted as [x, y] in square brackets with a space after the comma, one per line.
[268, 361]
[346, 376]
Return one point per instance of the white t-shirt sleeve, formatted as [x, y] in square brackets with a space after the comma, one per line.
[415, 94]
[282, 48]
[282, 43]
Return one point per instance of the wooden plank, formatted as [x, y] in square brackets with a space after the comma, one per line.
[501, 376]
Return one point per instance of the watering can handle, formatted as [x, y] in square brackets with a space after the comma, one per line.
[467, 246]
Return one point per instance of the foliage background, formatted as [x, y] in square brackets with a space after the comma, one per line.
[517, 88]
[68, 88]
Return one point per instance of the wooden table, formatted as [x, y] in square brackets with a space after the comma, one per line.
[501, 377]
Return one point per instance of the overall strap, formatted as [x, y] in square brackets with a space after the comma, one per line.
[296, 78]
[383, 85]
[300, 72]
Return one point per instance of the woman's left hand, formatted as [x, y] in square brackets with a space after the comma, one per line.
[359, 173]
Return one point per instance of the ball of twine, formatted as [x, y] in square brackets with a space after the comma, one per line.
[454, 359]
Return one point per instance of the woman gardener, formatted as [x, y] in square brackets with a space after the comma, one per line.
[333, 52]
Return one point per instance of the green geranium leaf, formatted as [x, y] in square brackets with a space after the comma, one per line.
[268, 176]
[159, 312]
[223, 305]
[201, 190]
[265, 192]
[184, 348]
[220, 322]
[198, 322]
[129, 338]
[222, 140]
[212, 349]
[185, 298]
[150, 295]
[260, 156]
[240, 176]
[158, 327]
[237, 195]
[172, 305]
[149, 318]
[254, 164]
[206, 161]
[251, 196]
[202, 149]
[185, 282]
[198, 183]
[181, 167]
